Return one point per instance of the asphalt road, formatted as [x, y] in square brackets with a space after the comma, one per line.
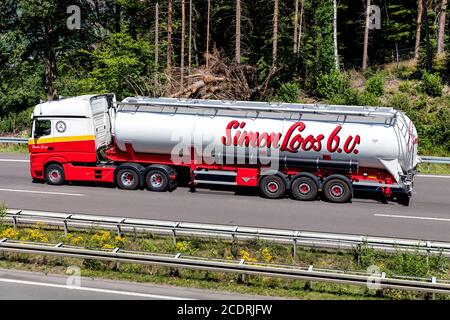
[25, 285]
[427, 217]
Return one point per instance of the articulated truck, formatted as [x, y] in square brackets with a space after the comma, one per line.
[307, 151]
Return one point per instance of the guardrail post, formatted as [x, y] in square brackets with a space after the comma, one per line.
[431, 295]
[174, 234]
[380, 291]
[66, 228]
[234, 246]
[309, 283]
[428, 254]
[116, 262]
[294, 253]
[174, 237]
[175, 272]
[15, 222]
[241, 276]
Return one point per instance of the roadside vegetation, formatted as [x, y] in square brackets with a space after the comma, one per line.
[405, 264]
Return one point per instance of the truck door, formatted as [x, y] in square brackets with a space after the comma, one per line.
[42, 137]
[102, 126]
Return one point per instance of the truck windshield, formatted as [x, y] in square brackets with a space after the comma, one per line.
[42, 128]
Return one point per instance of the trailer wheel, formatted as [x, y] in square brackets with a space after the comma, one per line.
[127, 179]
[156, 180]
[337, 190]
[272, 187]
[54, 174]
[304, 189]
[404, 200]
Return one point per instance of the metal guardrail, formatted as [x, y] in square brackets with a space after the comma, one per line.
[440, 160]
[186, 229]
[377, 281]
[13, 140]
[426, 159]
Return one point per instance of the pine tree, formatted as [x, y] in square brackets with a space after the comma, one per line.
[366, 36]
[238, 32]
[441, 28]
[418, 29]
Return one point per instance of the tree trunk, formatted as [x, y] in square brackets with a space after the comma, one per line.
[300, 27]
[429, 64]
[50, 76]
[156, 42]
[169, 36]
[238, 32]
[50, 68]
[183, 39]
[190, 38]
[207, 33]
[117, 19]
[275, 33]
[335, 43]
[296, 27]
[441, 30]
[366, 36]
[418, 29]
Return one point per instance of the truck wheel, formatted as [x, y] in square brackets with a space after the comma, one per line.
[127, 179]
[337, 190]
[54, 174]
[304, 189]
[272, 187]
[156, 180]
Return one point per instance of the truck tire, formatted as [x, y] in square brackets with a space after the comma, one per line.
[272, 187]
[337, 190]
[304, 189]
[127, 179]
[156, 180]
[54, 174]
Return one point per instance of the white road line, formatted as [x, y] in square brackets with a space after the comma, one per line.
[60, 286]
[45, 192]
[434, 176]
[13, 160]
[410, 217]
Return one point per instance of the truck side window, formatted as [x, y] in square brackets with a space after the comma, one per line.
[42, 128]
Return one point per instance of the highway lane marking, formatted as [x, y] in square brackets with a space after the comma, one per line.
[410, 217]
[13, 160]
[60, 286]
[45, 192]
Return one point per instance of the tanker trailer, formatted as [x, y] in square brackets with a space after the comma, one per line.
[307, 151]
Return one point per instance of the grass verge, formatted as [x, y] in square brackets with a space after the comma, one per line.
[406, 264]
[434, 168]
[13, 148]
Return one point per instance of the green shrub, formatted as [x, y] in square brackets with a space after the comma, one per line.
[288, 92]
[400, 101]
[368, 99]
[375, 85]
[16, 122]
[405, 86]
[431, 84]
[330, 85]
[410, 264]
